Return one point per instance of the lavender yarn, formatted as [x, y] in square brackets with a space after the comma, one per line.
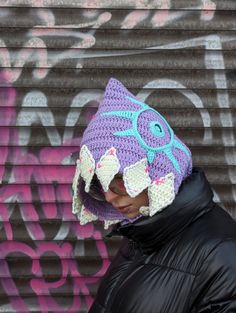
[136, 131]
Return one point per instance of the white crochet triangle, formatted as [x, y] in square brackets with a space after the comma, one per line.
[76, 176]
[85, 216]
[87, 163]
[136, 177]
[107, 167]
[161, 193]
[76, 203]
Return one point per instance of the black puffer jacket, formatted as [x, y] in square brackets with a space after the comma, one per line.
[180, 260]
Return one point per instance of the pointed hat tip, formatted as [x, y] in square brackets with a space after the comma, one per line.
[112, 81]
[116, 86]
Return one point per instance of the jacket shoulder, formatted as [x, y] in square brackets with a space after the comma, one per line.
[216, 279]
[188, 252]
[214, 227]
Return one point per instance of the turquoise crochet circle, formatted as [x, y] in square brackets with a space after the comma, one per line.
[156, 129]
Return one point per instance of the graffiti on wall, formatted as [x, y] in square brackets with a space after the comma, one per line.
[36, 177]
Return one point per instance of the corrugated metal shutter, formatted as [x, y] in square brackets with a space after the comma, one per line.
[56, 58]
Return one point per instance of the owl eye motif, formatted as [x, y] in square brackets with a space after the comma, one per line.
[158, 127]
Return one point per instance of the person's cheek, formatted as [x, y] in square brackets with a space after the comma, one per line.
[121, 186]
[110, 196]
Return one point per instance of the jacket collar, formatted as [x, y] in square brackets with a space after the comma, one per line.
[192, 201]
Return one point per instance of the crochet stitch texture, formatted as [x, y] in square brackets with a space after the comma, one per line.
[129, 137]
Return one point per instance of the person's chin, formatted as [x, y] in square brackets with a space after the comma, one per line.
[131, 216]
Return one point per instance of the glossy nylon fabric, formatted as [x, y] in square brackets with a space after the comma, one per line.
[182, 260]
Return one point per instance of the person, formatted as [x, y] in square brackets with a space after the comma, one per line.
[178, 251]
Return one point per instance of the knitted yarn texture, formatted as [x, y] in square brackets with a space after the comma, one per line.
[128, 137]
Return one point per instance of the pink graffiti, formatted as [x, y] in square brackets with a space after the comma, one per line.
[47, 172]
[43, 62]
[41, 287]
[208, 10]
[46, 16]
[22, 57]
[134, 18]
[92, 4]
[7, 101]
[87, 40]
[164, 14]
[9, 286]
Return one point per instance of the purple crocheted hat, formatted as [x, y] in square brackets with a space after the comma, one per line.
[127, 136]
